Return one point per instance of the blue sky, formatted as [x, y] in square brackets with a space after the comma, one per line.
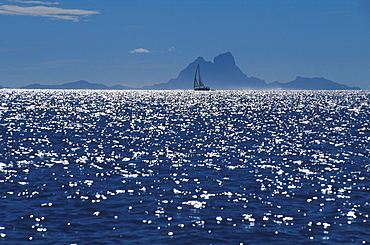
[143, 42]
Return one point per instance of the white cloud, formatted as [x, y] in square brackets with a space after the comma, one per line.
[48, 12]
[171, 49]
[139, 51]
[34, 2]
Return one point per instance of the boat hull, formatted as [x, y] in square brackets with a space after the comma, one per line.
[202, 89]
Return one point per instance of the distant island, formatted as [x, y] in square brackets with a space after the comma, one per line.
[75, 85]
[222, 73]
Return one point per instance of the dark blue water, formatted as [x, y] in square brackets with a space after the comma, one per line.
[184, 167]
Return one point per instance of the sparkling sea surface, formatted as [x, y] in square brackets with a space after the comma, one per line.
[184, 167]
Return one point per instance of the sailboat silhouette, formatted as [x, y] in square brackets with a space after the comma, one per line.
[198, 83]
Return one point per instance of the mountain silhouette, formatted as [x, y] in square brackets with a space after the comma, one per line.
[223, 73]
[315, 83]
[75, 85]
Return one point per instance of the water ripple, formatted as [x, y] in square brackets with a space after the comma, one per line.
[180, 167]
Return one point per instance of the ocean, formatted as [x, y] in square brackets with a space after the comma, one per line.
[184, 167]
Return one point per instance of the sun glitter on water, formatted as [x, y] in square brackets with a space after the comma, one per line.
[160, 167]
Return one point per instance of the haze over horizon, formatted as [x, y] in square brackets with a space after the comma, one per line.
[144, 42]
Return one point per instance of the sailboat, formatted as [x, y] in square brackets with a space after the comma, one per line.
[198, 84]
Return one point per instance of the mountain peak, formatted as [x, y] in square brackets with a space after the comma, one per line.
[199, 59]
[225, 58]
